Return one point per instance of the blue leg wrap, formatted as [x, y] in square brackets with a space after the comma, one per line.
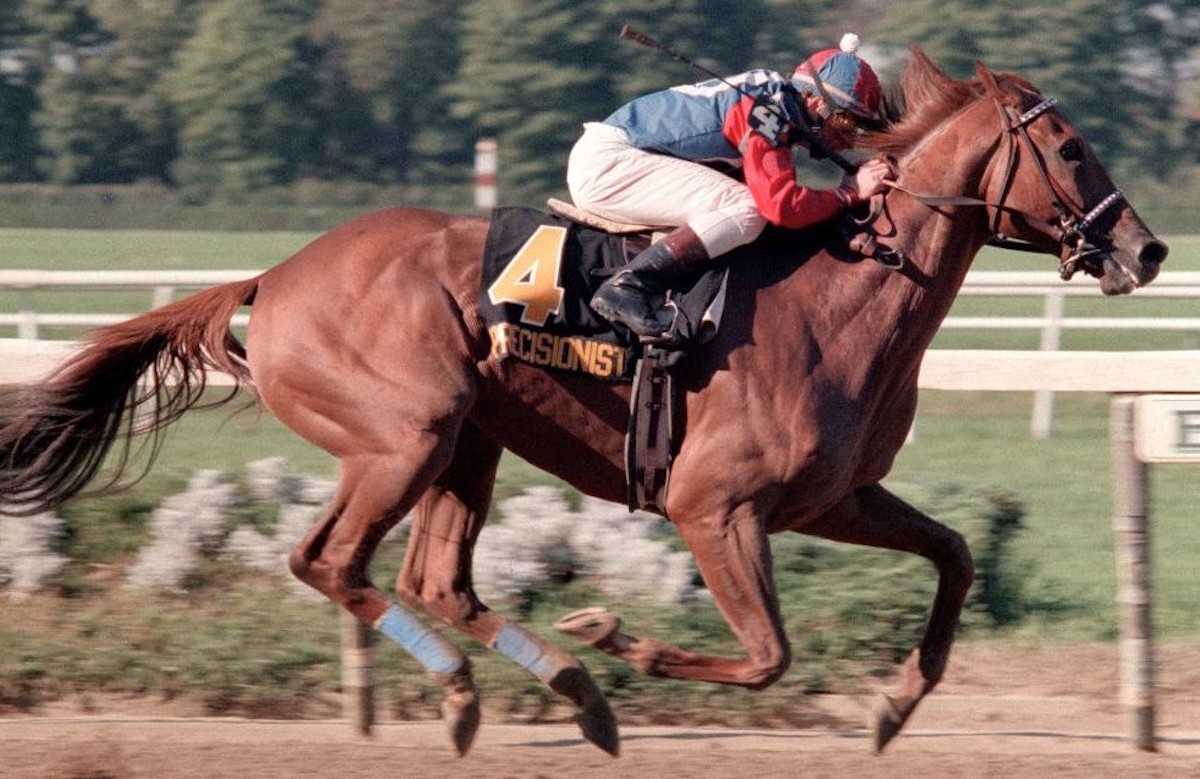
[515, 643]
[429, 649]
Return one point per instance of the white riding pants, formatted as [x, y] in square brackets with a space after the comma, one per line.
[611, 178]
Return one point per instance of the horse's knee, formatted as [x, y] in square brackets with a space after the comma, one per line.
[300, 563]
[955, 563]
[769, 668]
[331, 580]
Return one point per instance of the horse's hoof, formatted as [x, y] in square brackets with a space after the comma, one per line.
[460, 709]
[599, 726]
[462, 723]
[591, 625]
[595, 718]
[888, 720]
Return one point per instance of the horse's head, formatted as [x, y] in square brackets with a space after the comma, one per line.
[1052, 193]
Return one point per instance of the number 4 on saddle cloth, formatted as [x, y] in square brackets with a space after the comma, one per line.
[539, 273]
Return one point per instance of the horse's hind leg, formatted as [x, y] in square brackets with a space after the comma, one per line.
[872, 516]
[374, 493]
[733, 555]
[436, 578]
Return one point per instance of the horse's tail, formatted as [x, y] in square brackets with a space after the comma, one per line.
[128, 379]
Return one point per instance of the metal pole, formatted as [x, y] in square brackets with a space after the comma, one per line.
[1131, 529]
[358, 682]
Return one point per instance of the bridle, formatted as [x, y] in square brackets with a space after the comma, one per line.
[1073, 225]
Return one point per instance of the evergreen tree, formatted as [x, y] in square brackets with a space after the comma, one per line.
[382, 105]
[723, 36]
[1090, 54]
[243, 90]
[18, 148]
[146, 34]
[241, 94]
[85, 129]
[533, 73]
[66, 46]
[104, 116]
[529, 78]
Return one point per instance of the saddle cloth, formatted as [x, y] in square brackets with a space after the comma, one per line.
[539, 273]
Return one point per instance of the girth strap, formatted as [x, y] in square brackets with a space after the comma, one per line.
[650, 437]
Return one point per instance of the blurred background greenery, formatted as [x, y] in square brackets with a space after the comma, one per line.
[299, 108]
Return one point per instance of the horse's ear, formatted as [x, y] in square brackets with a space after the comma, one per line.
[987, 78]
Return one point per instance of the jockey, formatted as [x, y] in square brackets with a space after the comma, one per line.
[652, 162]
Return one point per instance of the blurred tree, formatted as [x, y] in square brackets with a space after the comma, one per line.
[797, 28]
[147, 35]
[62, 36]
[1109, 61]
[530, 73]
[104, 116]
[243, 90]
[1169, 36]
[85, 131]
[18, 147]
[382, 105]
[236, 94]
[724, 36]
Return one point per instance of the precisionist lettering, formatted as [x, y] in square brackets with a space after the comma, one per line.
[566, 352]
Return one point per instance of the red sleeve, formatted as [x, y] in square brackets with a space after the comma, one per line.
[772, 179]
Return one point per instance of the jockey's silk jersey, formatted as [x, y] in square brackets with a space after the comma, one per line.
[695, 121]
[708, 122]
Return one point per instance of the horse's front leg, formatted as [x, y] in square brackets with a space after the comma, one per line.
[436, 578]
[872, 516]
[734, 556]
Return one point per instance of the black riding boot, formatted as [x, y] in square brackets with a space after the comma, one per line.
[633, 297]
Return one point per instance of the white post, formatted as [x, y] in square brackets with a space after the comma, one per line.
[486, 165]
[28, 326]
[1132, 545]
[1043, 400]
[358, 674]
[162, 295]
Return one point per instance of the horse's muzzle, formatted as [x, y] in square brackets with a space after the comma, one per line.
[1125, 270]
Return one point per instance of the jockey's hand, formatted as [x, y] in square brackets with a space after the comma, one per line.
[868, 180]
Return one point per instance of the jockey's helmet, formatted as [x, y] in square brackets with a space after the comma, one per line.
[842, 76]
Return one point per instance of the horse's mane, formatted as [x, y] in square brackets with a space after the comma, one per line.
[927, 96]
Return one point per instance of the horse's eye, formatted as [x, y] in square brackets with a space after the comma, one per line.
[1071, 151]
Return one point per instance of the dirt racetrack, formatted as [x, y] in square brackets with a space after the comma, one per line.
[1045, 713]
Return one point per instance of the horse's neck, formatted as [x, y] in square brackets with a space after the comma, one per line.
[897, 313]
[942, 242]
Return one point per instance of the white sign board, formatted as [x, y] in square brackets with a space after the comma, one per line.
[1167, 428]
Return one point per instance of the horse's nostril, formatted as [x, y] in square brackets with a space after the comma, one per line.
[1153, 254]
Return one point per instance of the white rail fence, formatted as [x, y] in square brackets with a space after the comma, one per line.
[29, 320]
[1179, 285]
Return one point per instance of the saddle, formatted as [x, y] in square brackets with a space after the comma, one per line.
[539, 272]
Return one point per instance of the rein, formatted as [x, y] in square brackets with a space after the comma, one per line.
[1073, 226]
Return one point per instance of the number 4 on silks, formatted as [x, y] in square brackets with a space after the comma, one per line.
[530, 280]
[768, 120]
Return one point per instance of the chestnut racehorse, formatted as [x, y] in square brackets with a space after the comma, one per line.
[368, 343]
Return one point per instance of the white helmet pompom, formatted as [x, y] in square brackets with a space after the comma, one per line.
[849, 43]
